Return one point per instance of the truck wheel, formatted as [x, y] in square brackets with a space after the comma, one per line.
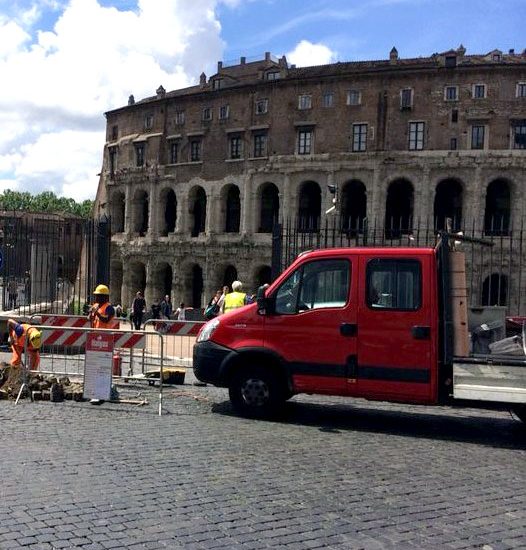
[255, 392]
[520, 411]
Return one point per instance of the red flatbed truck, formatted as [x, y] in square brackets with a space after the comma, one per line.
[374, 323]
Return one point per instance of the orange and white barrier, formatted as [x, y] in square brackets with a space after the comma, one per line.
[76, 321]
[70, 337]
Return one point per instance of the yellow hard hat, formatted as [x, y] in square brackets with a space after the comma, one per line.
[102, 289]
[35, 338]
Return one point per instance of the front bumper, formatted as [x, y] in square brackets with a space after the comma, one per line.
[209, 362]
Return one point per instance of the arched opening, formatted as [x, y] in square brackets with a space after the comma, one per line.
[140, 207]
[263, 276]
[232, 209]
[309, 207]
[495, 290]
[399, 209]
[269, 207]
[197, 211]
[118, 210]
[116, 282]
[354, 207]
[169, 200]
[197, 286]
[229, 276]
[162, 281]
[137, 274]
[448, 205]
[497, 212]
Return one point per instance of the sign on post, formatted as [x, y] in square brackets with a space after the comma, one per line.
[98, 366]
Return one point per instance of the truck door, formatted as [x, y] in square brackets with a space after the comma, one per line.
[396, 328]
[313, 326]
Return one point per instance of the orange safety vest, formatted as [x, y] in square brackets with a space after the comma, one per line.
[96, 322]
[233, 300]
[17, 347]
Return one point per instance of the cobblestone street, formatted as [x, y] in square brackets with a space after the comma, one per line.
[333, 473]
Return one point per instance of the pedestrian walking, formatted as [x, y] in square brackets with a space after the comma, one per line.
[180, 312]
[213, 307]
[236, 298]
[138, 308]
[166, 307]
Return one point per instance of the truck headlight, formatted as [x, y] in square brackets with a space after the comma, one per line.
[208, 330]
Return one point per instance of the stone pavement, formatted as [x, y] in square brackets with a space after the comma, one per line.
[333, 473]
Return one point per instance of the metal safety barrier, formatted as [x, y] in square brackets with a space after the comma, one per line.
[58, 320]
[63, 352]
[179, 339]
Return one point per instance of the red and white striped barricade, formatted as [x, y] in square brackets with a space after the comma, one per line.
[68, 336]
[77, 321]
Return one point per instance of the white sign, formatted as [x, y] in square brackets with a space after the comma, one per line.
[97, 366]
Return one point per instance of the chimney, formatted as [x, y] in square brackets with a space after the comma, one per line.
[393, 55]
[461, 50]
[131, 100]
[219, 66]
[512, 51]
[267, 56]
[243, 60]
[202, 80]
[161, 92]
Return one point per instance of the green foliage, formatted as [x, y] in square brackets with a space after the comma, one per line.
[44, 202]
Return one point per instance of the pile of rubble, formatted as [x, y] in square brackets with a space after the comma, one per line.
[38, 386]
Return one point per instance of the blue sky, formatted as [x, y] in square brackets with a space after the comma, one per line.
[63, 63]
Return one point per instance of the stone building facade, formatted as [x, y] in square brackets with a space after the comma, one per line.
[193, 179]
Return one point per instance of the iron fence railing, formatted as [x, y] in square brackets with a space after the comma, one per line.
[51, 263]
[495, 271]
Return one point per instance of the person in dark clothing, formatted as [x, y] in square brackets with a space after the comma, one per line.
[166, 307]
[138, 309]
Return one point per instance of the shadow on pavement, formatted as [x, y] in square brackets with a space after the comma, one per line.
[453, 425]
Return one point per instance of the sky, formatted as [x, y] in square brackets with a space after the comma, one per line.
[64, 63]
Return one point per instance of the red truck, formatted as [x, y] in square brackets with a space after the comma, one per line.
[374, 323]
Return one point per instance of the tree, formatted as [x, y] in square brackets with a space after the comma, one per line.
[46, 201]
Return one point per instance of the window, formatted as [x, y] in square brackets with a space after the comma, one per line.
[496, 57]
[451, 61]
[451, 93]
[454, 115]
[453, 144]
[394, 284]
[218, 83]
[305, 141]
[406, 98]
[327, 99]
[260, 145]
[179, 118]
[521, 89]
[139, 154]
[207, 114]
[113, 160]
[224, 112]
[519, 134]
[359, 137]
[195, 150]
[273, 75]
[148, 122]
[174, 152]
[477, 137]
[236, 147]
[261, 106]
[114, 132]
[304, 101]
[416, 136]
[479, 91]
[354, 97]
[315, 285]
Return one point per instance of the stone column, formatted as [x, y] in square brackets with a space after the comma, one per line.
[127, 291]
[182, 212]
[150, 293]
[288, 212]
[153, 211]
[128, 210]
[423, 202]
[213, 211]
[248, 217]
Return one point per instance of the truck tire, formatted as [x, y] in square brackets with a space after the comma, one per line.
[255, 392]
[520, 411]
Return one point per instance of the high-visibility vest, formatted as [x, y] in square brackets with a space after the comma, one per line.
[17, 348]
[99, 323]
[233, 300]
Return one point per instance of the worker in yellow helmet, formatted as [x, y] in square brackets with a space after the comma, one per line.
[18, 333]
[101, 313]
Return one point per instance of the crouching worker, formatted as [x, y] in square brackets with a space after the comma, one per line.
[18, 333]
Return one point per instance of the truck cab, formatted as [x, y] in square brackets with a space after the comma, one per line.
[359, 322]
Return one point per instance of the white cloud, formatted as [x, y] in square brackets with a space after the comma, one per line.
[57, 85]
[306, 54]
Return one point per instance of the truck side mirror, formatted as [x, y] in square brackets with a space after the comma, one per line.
[265, 305]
